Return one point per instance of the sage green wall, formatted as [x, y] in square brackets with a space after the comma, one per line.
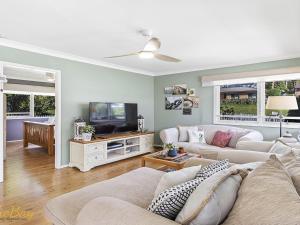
[204, 114]
[83, 83]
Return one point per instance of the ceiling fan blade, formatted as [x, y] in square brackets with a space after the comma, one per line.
[166, 58]
[117, 56]
[152, 45]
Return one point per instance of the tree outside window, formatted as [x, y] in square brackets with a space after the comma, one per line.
[18, 105]
[22, 105]
[44, 105]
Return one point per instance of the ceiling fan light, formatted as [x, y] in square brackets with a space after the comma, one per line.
[146, 55]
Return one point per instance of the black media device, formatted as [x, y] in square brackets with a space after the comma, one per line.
[108, 118]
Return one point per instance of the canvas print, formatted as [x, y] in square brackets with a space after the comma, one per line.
[187, 111]
[180, 89]
[173, 103]
[169, 90]
[187, 103]
[195, 101]
[191, 102]
[191, 92]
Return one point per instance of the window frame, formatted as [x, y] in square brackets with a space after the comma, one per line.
[31, 103]
[260, 109]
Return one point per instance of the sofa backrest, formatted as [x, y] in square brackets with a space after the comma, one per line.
[210, 130]
[171, 135]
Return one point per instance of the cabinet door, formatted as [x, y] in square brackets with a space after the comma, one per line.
[147, 143]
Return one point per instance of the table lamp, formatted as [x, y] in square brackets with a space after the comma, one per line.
[282, 103]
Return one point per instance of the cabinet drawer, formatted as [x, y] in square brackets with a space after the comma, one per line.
[95, 157]
[95, 147]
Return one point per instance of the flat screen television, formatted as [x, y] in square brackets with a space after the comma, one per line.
[108, 118]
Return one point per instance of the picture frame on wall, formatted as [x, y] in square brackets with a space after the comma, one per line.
[191, 102]
[180, 89]
[173, 103]
[169, 90]
[187, 103]
[187, 111]
[191, 92]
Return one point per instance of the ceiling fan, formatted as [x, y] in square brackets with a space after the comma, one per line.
[150, 51]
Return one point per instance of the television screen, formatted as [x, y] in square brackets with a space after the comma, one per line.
[110, 118]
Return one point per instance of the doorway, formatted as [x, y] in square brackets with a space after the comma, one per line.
[28, 117]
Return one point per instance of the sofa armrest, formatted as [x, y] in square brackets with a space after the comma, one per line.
[252, 136]
[258, 146]
[170, 135]
[112, 211]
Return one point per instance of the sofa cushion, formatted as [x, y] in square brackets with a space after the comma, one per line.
[221, 139]
[183, 132]
[212, 200]
[267, 196]
[196, 136]
[137, 187]
[235, 137]
[176, 177]
[292, 164]
[169, 202]
[196, 147]
[280, 147]
[213, 168]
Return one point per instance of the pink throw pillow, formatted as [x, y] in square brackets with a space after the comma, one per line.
[221, 139]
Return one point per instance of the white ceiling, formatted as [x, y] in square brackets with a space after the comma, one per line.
[203, 34]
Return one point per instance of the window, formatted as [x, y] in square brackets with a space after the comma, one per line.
[18, 105]
[245, 103]
[279, 88]
[28, 104]
[44, 105]
[238, 102]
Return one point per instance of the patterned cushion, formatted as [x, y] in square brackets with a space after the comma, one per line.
[221, 139]
[170, 202]
[210, 169]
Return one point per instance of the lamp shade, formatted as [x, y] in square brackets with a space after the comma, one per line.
[282, 103]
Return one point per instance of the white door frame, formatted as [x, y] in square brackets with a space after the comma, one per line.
[57, 73]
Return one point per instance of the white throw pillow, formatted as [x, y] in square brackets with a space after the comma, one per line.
[280, 148]
[236, 135]
[183, 132]
[174, 178]
[212, 200]
[196, 136]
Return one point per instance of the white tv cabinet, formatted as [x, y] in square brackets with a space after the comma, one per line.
[87, 155]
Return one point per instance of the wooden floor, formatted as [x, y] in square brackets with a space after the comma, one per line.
[31, 180]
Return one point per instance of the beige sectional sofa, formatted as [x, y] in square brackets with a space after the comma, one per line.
[249, 148]
[123, 200]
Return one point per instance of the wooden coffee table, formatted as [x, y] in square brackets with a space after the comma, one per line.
[168, 163]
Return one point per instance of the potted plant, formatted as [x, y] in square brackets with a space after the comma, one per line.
[87, 132]
[172, 152]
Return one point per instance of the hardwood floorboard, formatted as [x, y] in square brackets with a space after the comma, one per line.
[31, 180]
